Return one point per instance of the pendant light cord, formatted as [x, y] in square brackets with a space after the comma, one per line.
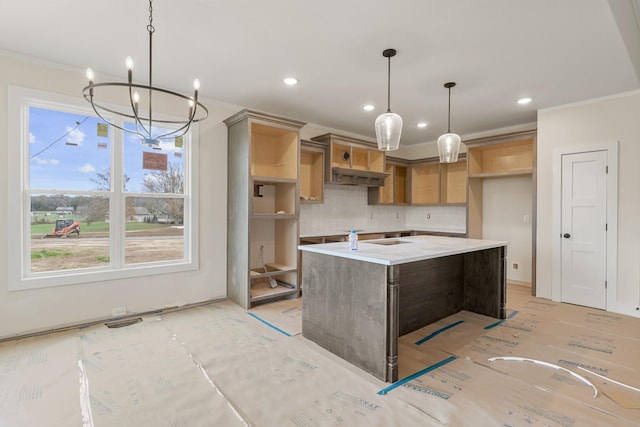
[389, 85]
[449, 113]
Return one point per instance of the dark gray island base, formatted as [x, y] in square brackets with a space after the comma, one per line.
[356, 305]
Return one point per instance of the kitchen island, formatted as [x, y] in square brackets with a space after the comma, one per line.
[357, 303]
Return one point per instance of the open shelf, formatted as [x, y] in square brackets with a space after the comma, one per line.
[453, 182]
[394, 191]
[425, 183]
[352, 161]
[274, 152]
[311, 176]
[359, 158]
[272, 270]
[270, 197]
[504, 159]
[400, 176]
[340, 156]
[263, 203]
[262, 291]
[386, 191]
[376, 160]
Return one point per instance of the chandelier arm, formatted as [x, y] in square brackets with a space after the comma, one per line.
[109, 121]
[175, 133]
[136, 117]
[200, 105]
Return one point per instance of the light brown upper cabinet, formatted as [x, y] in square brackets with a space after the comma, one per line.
[493, 158]
[501, 159]
[425, 183]
[311, 172]
[395, 190]
[453, 182]
[352, 161]
[435, 183]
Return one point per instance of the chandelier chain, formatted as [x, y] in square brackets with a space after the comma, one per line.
[150, 27]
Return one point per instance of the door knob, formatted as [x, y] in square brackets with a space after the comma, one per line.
[566, 235]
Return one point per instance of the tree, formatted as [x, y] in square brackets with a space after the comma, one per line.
[98, 209]
[168, 181]
[103, 180]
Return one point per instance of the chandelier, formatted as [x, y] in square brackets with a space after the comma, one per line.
[388, 125]
[139, 98]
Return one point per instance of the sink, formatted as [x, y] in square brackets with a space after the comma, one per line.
[389, 242]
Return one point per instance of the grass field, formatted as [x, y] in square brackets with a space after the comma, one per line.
[98, 227]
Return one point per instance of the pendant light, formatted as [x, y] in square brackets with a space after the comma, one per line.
[449, 143]
[388, 125]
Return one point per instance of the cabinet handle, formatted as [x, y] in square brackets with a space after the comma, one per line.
[566, 235]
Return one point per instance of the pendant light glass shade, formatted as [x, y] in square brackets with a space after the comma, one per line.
[388, 125]
[449, 147]
[449, 143]
[388, 130]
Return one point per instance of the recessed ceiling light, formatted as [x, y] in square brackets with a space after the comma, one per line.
[369, 107]
[422, 124]
[523, 101]
[290, 81]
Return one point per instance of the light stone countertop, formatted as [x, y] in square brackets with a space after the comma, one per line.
[413, 248]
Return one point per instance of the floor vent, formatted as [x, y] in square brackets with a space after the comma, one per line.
[122, 323]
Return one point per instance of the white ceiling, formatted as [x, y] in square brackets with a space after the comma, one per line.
[555, 51]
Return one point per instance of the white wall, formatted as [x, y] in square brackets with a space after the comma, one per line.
[506, 201]
[42, 309]
[615, 118]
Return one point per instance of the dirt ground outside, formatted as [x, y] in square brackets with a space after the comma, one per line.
[92, 249]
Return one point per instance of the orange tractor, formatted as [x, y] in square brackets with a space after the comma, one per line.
[65, 227]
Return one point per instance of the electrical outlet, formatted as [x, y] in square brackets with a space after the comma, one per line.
[515, 265]
[525, 219]
[119, 311]
[371, 215]
[428, 216]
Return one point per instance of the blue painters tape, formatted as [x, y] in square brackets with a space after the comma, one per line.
[417, 374]
[500, 322]
[439, 331]
[270, 325]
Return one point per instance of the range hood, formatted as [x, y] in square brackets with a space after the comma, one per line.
[348, 176]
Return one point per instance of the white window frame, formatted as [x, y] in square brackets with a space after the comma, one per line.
[19, 203]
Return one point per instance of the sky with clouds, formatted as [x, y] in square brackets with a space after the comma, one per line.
[67, 150]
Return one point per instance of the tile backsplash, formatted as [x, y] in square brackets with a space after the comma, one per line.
[345, 207]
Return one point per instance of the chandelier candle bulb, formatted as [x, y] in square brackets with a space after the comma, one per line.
[90, 75]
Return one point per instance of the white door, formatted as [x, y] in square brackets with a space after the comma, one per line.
[583, 229]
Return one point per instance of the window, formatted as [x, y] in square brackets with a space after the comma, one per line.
[89, 201]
